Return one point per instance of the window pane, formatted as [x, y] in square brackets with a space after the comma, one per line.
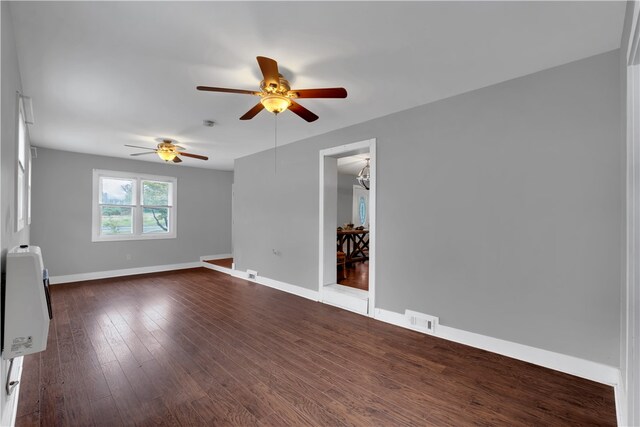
[21, 138]
[116, 220]
[20, 201]
[155, 220]
[155, 193]
[29, 188]
[116, 191]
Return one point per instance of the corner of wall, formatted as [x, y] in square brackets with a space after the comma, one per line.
[11, 84]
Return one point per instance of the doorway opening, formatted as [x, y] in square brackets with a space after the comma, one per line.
[347, 227]
[353, 223]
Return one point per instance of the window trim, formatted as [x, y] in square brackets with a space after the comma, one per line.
[29, 188]
[136, 205]
[21, 168]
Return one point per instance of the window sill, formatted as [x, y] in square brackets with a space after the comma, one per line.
[99, 239]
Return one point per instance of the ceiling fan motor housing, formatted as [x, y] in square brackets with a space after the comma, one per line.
[283, 87]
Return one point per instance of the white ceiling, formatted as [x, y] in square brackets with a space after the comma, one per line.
[104, 74]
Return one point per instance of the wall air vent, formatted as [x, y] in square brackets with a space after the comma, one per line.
[421, 322]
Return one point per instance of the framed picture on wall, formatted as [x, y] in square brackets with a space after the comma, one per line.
[360, 207]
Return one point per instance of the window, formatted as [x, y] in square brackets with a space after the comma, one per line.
[30, 169]
[21, 168]
[128, 206]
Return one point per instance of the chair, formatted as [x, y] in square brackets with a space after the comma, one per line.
[341, 262]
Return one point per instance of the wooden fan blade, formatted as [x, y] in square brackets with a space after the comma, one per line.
[302, 112]
[223, 89]
[137, 146]
[269, 68]
[176, 159]
[195, 156]
[330, 92]
[142, 154]
[252, 113]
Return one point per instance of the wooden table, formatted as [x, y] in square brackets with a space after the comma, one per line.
[355, 244]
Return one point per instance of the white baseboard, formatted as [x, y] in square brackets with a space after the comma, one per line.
[351, 299]
[10, 410]
[219, 268]
[265, 281]
[287, 287]
[54, 280]
[205, 264]
[214, 257]
[593, 371]
[620, 391]
[240, 274]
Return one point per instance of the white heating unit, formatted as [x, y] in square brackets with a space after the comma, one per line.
[27, 303]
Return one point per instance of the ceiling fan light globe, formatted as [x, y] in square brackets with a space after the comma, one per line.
[275, 103]
[167, 156]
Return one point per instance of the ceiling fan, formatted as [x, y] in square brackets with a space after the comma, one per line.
[276, 93]
[167, 150]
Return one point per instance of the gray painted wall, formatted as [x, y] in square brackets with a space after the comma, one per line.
[8, 162]
[345, 198]
[499, 210]
[61, 224]
[330, 189]
[10, 85]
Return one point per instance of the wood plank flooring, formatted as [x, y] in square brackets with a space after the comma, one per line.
[357, 276]
[224, 262]
[198, 347]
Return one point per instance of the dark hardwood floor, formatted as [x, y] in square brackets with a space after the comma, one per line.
[357, 276]
[224, 262]
[198, 347]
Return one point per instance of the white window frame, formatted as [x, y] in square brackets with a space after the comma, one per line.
[29, 175]
[136, 206]
[21, 167]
